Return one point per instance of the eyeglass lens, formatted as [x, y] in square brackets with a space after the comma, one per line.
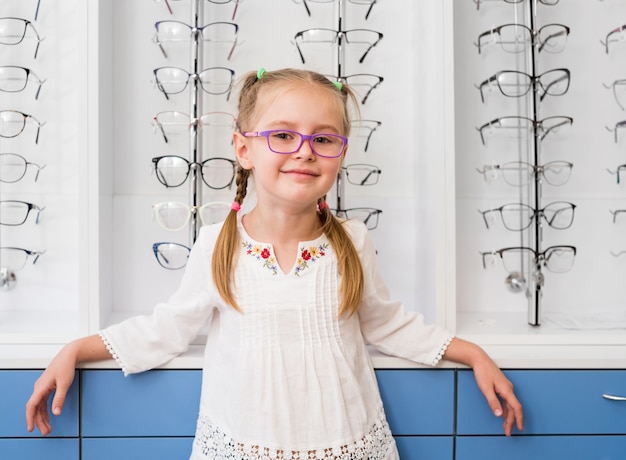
[519, 216]
[14, 30]
[13, 122]
[216, 33]
[173, 123]
[286, 141]
[15, 258]
[364, 128]
[172, 256]
[175, 215]
[515, 38]
[13, 212]
[513, 83]
[557, 259]
[14, 79]
[516, 124]
[517, 174]
[172, 171]
[213, 80]
[13, 167]
[369, 216]
[362, 174]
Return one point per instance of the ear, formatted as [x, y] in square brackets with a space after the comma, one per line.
[240, 144]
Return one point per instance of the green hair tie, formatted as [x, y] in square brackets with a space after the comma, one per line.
[260, 73]
[338, 84]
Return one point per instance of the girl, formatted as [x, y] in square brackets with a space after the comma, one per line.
[292, 295]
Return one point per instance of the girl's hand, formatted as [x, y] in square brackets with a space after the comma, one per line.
[493, 384]
[498, 391]
[57, 379]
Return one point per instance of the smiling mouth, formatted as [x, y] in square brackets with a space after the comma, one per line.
[301, 172]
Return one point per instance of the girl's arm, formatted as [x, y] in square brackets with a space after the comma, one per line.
[57, 379]
[498, 390]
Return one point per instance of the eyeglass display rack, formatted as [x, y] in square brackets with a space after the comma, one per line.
[530, 279]
[582, 306]
[340, 17]
[12, 254]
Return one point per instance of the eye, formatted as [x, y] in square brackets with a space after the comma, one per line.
[282, 135]
[325, 139]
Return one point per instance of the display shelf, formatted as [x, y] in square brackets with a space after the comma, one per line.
[584, 305]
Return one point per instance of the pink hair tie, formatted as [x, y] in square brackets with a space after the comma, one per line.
[322, 205]
[235, 206]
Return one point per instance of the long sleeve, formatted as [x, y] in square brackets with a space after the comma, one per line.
[146, 341]
[385, 323]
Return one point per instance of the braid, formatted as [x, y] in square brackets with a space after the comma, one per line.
[227, 244]
[241, 180]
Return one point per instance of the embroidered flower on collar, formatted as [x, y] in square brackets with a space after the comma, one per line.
[263, 254]
[309, 254]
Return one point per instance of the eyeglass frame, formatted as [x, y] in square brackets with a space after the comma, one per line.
[195, 31]
[606, 41]
[25, 116]
[343, 213]
[537, 169]
[616, 212]
[358, 124]
[344, 79]
[192, 121]
[303, 137]
[35, 254]
[618, 82]
[28, 73]
[195, 76]
[371, 4]
[26, 164]
[29, 207]
[26, 24]
[197, 210]
[515, 2]
[535, 124]
[155, 250]
[223, 2]
[537, 213]
[619, 124]
[533, 34]
[194, 164]
[372, 169]
[538, 256]
[339, 34]
[532, 84]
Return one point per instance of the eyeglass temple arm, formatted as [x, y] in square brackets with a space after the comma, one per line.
[39, 168]
[552, 83]
[551, 36]
[380, 37]
[295, 41]
[370, 92]
[160, 126]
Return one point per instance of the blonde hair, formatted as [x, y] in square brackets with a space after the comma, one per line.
[228, 244]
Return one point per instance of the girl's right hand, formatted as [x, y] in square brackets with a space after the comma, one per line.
[57, 379]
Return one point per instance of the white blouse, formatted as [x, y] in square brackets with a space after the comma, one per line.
[286, 378]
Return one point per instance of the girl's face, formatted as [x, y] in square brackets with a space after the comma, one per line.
[296, 180]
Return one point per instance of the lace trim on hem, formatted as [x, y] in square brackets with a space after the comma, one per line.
[442, 351]
[113, 353]
[214, 444]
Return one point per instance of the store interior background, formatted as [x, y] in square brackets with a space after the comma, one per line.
[98, 186]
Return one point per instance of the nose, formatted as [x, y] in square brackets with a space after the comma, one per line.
[305, 152]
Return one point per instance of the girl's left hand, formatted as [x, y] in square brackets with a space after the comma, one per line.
[498, 390]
